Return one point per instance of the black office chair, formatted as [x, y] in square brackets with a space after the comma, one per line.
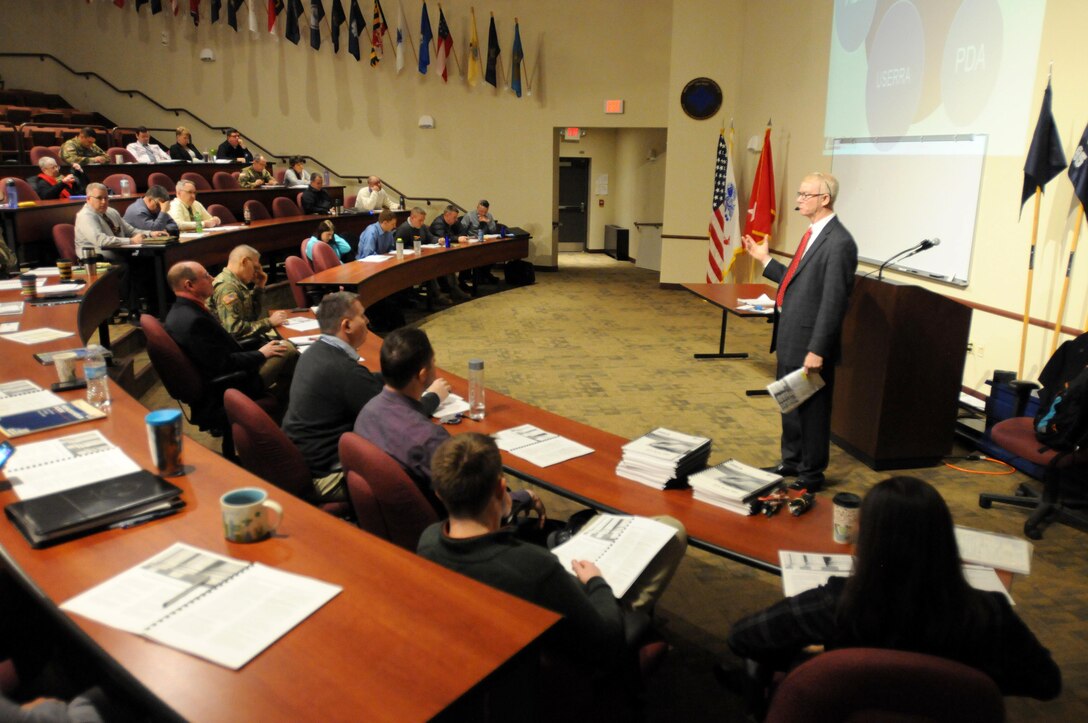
[1065, 468]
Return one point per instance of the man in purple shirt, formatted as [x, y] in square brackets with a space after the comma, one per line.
[394, 420]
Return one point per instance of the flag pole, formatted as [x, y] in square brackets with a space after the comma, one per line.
[1065, 283]
[1031, 275]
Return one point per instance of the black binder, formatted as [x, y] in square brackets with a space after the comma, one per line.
[80, 511]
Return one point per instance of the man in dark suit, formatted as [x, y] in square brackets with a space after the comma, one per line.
[209, 346]
[812, 295]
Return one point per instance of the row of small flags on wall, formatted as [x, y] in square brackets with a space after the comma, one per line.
[377, 35]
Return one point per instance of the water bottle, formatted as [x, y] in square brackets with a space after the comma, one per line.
[98, 383]
[199, 220]
[480, 234]
[477, 409]
[400, 249]
[124, 187]
[12, 193]
[247, 217]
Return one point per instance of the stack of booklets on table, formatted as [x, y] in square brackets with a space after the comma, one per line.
[663, 459]
[26, 408]
[733, 486]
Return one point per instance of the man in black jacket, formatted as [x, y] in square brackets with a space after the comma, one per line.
[209, 346]
[315, 199]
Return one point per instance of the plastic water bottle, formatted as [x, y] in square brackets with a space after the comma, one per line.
[125, 187]
[480, 234]
[12, 193]
[247, 217]
[98, 383]
[199, 220]
[477, 408]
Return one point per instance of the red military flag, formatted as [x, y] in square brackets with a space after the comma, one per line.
[761, 205]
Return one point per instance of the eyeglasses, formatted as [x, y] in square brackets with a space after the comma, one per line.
[806, 196]
[99, 198]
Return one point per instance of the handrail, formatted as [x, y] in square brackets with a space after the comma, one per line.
[88, 74]
[651, 224]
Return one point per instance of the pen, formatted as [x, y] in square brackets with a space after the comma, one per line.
[141, 519]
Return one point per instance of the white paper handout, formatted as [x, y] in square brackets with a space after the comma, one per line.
[620, 546]
[215, 607]
[301, 323]
[539, 447]
[792, 390]
[452, 404]
[42, 468]
[36, 336]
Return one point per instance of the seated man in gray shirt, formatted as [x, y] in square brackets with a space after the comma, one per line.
[330, 387]
[152, 212]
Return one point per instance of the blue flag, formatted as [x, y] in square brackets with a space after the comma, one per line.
[356, 27]
[336, 19]
[1046, 158]
[1078, 169]
[519, 57]
[425, 37]
[317, 13]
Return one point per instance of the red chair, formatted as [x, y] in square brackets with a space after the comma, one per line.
[257, 210]
[298, 269]
[198, 180]
[279, 174]
[223, 181]
[158, 178]
[869, 684]
[368, 512]
[64, 238]
[113, 182]
[404, 509]
[26, 193]
[349, 201]
[39, 152]
[185, 385]
[114, 151]
[325, 257]
[298, 199]
[224, 213]
[265, 450]
[302, 253]
[284, 207]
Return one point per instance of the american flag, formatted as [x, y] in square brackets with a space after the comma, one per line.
[723, 214]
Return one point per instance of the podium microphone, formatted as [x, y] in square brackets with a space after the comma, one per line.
[925, 245]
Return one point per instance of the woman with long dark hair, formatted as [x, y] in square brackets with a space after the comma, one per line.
[907, 592]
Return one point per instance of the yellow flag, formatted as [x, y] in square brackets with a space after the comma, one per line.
[473, 55]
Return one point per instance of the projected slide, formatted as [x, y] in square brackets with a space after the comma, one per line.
[922, 67]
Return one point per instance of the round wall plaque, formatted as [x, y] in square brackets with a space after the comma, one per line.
[701, 98]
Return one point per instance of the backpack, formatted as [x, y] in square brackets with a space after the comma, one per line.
[519, 273]
[1062, 420]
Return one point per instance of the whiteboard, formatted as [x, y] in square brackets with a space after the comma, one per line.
[896, 192]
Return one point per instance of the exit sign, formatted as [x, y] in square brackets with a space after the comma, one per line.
[572, 134]
[614, 107]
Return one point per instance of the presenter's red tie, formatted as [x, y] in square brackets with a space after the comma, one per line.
[793, 268]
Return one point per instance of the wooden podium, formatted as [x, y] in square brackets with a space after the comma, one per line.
[898, 386]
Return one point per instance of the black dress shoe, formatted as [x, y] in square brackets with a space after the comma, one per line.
[807, 485]
[781, 469]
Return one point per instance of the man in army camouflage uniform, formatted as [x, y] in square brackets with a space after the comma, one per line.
[256, 175]
[82, 149]
[239, 308]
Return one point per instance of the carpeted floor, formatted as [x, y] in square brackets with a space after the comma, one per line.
[600, 342]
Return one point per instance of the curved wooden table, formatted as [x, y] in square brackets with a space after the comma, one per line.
[405, 640]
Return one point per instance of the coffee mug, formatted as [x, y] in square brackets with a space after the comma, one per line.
[246, 515]
[844, 528]
[66, 366]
